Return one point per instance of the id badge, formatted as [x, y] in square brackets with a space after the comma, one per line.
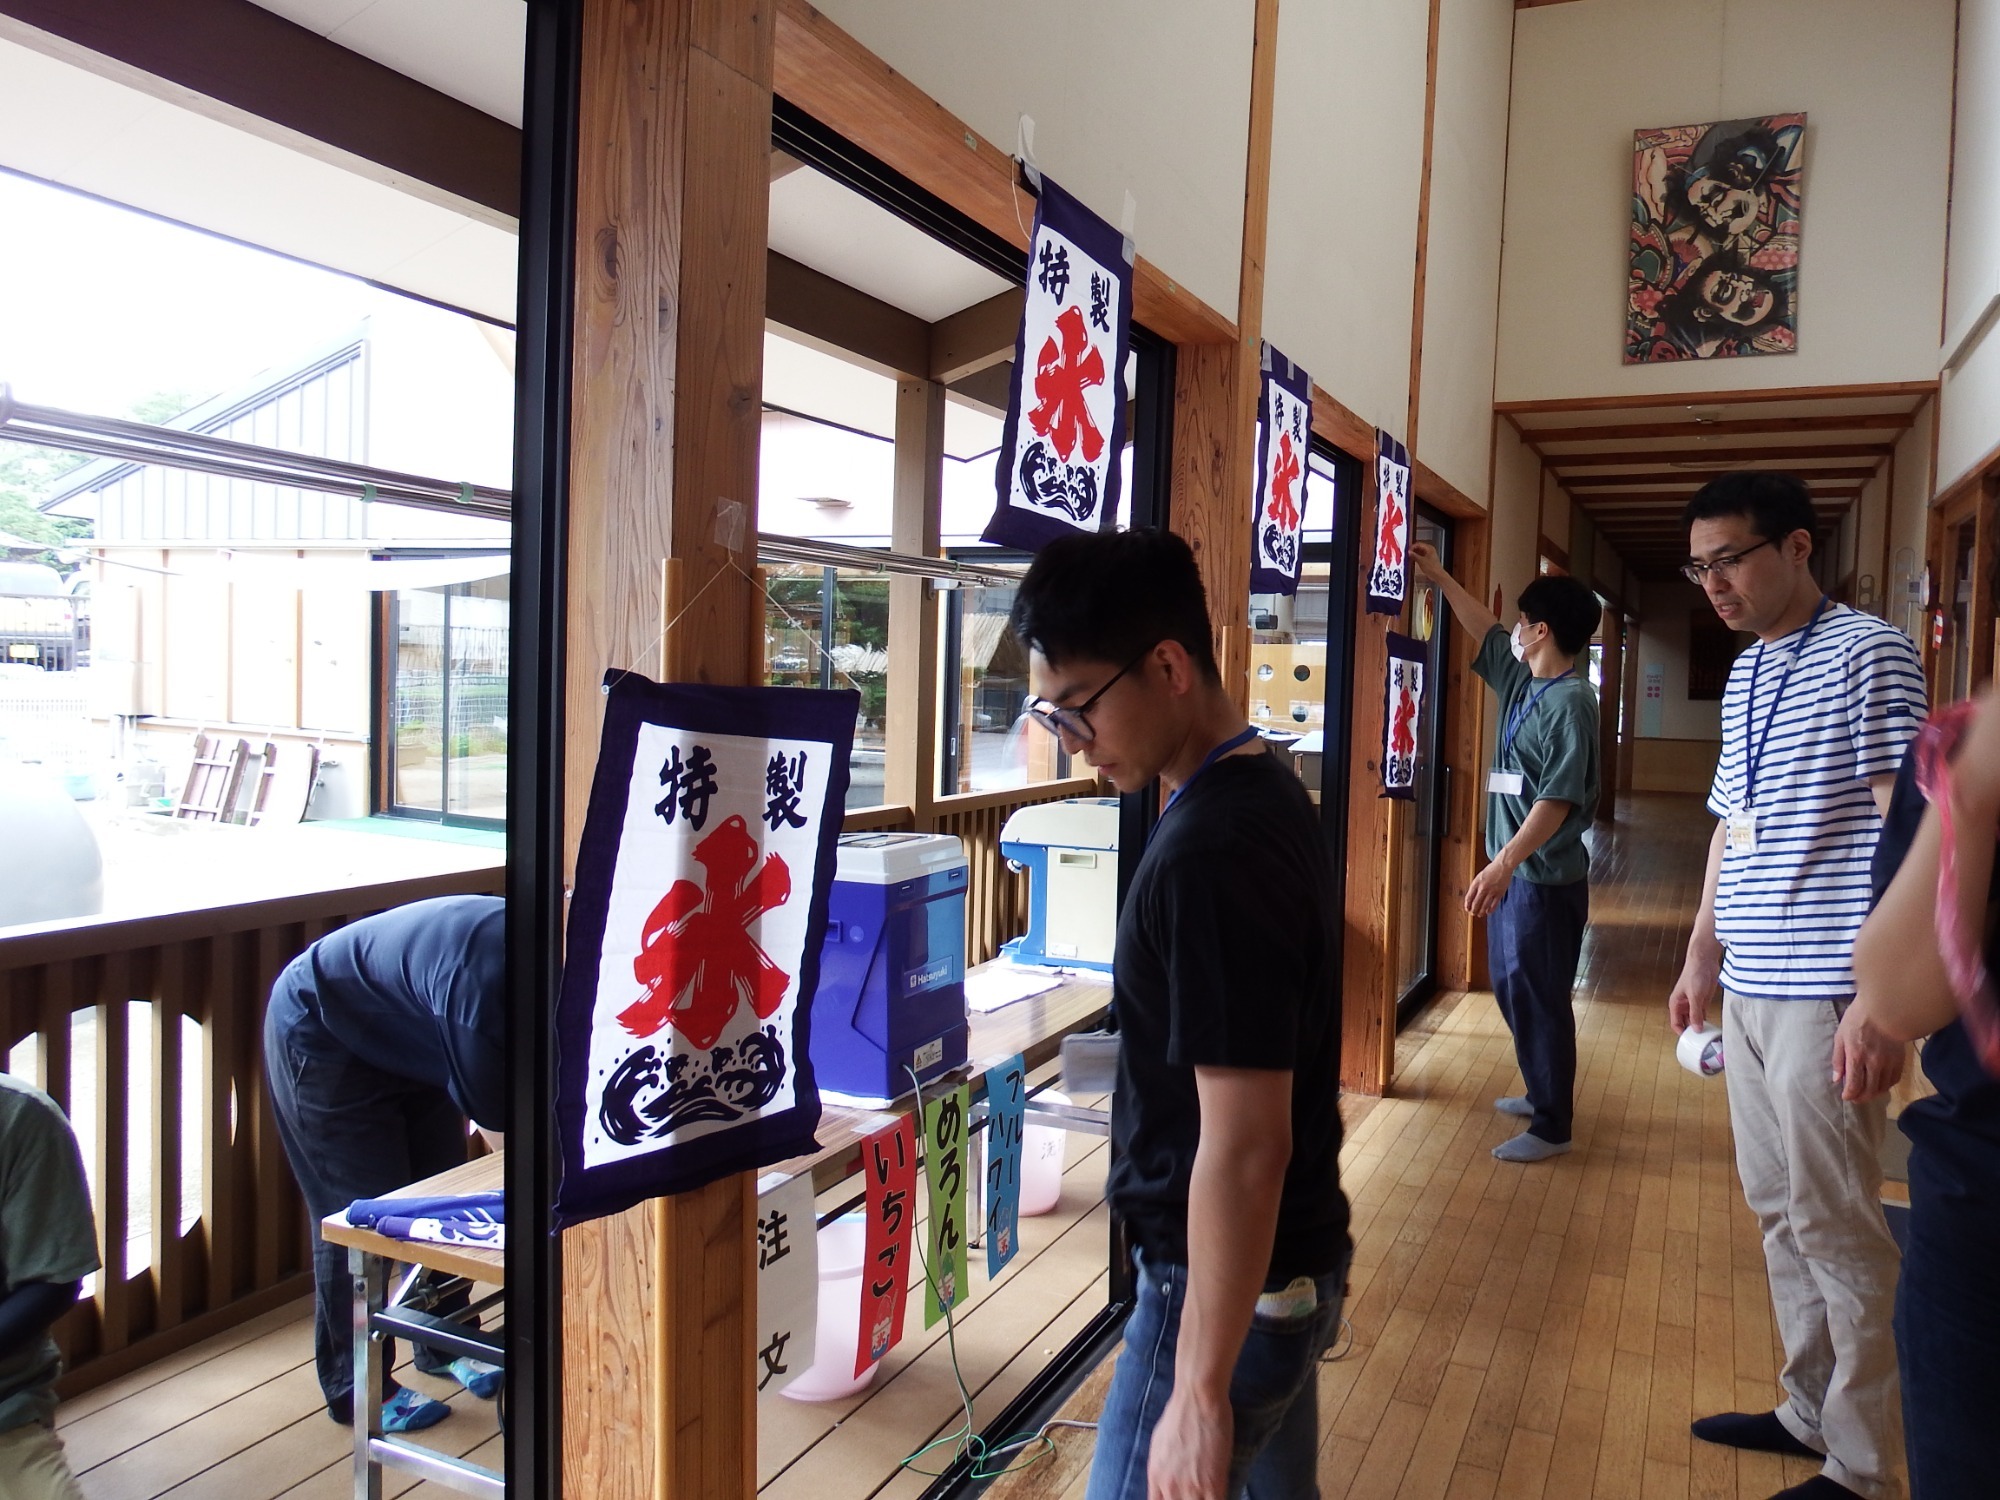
[1505, 783]
[1742, 835]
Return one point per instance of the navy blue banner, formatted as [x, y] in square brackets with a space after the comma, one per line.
[1061, 453]
[1402, 716]
[1389, 566]
[702, 882]
[1284, 442]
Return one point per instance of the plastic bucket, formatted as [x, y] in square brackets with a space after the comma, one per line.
[1042, 1151]
[843, 1245]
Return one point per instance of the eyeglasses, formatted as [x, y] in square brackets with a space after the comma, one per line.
[1724, 568]
[1075, 722]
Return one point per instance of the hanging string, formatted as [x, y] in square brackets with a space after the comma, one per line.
[653, 651]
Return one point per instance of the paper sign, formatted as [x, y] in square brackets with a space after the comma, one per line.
[945, 1253]
[1006, 1127]
[787, 1283]
[889, 1162]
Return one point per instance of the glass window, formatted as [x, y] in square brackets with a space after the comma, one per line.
[828, 628]
[988, 745]
[447, 730]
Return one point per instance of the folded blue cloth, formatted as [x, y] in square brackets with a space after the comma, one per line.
[470, 1208]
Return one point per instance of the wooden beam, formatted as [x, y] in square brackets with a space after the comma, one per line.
[1683, 476]
[975, 338]
[1914, 389]
[1735, 427]
[989, 387]
[1423, 234]
[1616, 499]
[911, 723]
[1336, 423]
[815, 309]
[837, 81]
[1718, 456]
[672, 199]
[241, 63]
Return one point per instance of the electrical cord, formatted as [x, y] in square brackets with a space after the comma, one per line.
[964, 1440]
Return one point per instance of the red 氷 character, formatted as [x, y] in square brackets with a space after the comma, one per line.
[1284, 474]
[1402, 728]
[1062, 374]
[1389, 549]
[697, 959]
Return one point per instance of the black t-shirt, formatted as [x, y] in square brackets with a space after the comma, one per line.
[1955, 1134]
[418, 992]
[1225, 959]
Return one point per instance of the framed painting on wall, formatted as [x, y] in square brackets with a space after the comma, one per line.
[1716, 217]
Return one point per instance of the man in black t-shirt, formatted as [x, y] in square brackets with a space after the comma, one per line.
[380, 1041]
[1225, 1123]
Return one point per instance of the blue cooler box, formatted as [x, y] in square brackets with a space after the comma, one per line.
[892, 969]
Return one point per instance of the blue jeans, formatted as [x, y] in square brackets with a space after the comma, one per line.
[1947, 1328]
[1274, 1392]
[350, 1131]
[1533, 941]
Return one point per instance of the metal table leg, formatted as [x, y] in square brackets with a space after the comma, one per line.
[370, 1283]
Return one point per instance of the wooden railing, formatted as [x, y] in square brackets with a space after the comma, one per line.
[199, 1223]
[149, 1032]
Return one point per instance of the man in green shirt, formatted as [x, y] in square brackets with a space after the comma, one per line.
[48, 1244]
[1541, 797]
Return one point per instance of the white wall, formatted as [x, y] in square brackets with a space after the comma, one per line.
[1347, 158]
[1462, 271]
[1969, 413]
[1150, 97]
[1875, 81]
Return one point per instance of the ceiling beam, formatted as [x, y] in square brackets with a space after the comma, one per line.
[1719, 456]
[977, 337]
[240, 63]
[1677, 476]
[1735, 427]
[833, 316]
[1615, 499]
[1913, 390]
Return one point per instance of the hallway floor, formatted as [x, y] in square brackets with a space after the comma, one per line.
[1552, 1329]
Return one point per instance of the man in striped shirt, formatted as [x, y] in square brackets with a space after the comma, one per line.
[1815, 721]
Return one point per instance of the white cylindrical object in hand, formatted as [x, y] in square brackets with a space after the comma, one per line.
[1700, 1050]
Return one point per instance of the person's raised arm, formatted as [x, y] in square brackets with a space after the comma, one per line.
[1475, 617]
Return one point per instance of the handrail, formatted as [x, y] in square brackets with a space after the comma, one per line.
[73, 938]
[1015, 796]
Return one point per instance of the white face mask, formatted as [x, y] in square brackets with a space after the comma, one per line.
[1514, 640]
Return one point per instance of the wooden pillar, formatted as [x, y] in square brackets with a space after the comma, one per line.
[672, 199]
[1610, 695]
[1215, 401]
[912, 723]
[1461, 955]
[1368, 1008]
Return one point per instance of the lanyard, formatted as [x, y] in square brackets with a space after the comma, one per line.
[1520, 715]
[1754, 748]
[1213, 756]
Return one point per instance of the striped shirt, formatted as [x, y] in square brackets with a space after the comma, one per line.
[1787, 912]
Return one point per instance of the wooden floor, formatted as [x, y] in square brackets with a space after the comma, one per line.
[1552, 1329]
[1517, 1331]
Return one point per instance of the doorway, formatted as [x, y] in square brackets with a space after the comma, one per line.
[1417, 827]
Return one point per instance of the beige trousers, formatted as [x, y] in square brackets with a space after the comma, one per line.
[1812, 1172]
[32, 1466]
